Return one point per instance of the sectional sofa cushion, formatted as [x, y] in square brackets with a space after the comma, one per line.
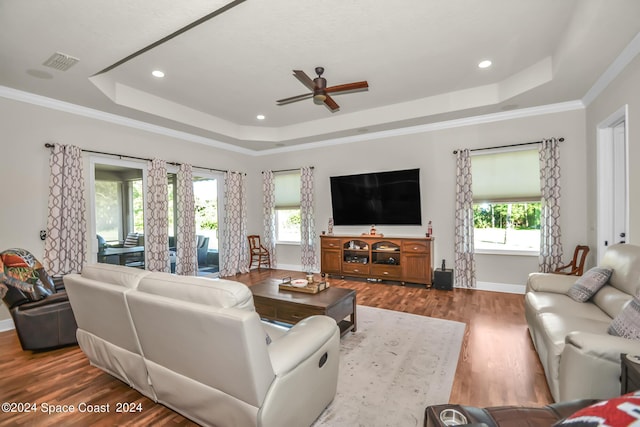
[627, 323]
[212, 292]
[590, 283]
[118, 275]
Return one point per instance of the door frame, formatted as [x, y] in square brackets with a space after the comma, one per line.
[604, 178]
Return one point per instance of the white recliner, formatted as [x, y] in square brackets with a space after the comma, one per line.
[208, 356]
[107, 335]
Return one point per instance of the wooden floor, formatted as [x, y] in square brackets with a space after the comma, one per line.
[497, 364]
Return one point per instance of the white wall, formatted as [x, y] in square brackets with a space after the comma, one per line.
[624, 90]
[432, 153]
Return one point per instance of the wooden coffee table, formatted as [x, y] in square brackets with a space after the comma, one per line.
[291, 307]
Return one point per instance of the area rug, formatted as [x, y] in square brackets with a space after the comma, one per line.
[394, 366]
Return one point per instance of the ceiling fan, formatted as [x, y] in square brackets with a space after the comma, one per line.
[319, 90]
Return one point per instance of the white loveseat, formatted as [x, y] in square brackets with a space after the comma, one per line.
[580, 358]
[197, 346]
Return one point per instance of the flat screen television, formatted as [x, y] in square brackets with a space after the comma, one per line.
[381, 198]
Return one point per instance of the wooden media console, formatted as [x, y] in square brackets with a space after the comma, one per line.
[400, 259]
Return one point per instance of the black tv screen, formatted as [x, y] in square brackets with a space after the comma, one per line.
[384, 198]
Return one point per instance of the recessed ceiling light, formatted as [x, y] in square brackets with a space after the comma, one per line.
[260, 117]
[484, 64]
[157, 73]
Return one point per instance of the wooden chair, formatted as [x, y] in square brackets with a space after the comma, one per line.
[258, 252]
[576, 266]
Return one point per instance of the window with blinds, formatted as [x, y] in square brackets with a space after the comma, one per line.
[506, 196]
[287, 201]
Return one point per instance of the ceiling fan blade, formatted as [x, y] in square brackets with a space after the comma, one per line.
[348, 87]
[294, 99]
[329, 102]
[304, 79]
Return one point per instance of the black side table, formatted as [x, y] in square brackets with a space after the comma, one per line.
[630, 376]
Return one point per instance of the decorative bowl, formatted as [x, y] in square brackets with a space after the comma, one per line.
[299, 283]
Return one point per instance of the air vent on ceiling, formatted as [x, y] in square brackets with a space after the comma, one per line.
[60, 61]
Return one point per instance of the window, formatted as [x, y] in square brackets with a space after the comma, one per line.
[506, 194]
[287, 195]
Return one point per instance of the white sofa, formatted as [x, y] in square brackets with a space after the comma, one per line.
[580, 358]
[197, 346]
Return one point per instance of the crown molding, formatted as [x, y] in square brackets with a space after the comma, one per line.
[449, 124]
[54, 104]
[67, 107]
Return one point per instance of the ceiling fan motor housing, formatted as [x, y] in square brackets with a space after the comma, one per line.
[319, 94]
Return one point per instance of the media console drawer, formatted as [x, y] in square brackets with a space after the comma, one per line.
[386, 271]
[355, 267]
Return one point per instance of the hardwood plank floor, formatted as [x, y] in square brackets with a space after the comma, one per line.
[497, 364]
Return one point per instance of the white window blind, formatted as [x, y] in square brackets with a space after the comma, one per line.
[512, 176]
[287, 190]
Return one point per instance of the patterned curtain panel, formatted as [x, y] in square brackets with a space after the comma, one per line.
[234, 236]
[269, 214]
[65, 248]
[156, 217]
[550, 246]
[186, 251]
[465, 265]
[308, 223]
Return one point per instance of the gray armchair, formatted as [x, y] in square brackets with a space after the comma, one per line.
[202, 248]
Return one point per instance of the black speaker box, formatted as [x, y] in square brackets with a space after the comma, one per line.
[443, 279]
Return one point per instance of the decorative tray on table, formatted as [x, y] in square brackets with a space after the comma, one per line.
[302, 285]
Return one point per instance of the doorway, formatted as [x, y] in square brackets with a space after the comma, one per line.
[612, 182]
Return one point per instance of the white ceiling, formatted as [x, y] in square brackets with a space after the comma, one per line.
[419, 56]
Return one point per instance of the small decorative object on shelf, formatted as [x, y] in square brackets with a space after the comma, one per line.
[429, 229]
[373, 230]
[330, 227]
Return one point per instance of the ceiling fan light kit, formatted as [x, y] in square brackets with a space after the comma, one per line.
[320, 91]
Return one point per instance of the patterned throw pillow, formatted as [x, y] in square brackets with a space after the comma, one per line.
[590, 283]
[627, 323]
[616, 412]
[131, 240]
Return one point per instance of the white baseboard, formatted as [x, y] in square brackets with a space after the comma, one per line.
[500, 287]
[6, 325]
[480, 286]
[292, 267]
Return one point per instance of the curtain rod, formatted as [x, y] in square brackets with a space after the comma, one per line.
[506, 146]
[126, 156]
[289, 170]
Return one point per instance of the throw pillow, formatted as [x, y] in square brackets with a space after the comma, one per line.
[590, 283]
[131, 240]
[627, 323]
[618, 411]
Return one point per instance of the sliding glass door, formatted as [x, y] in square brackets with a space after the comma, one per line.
[205, 191]
[117, 211]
